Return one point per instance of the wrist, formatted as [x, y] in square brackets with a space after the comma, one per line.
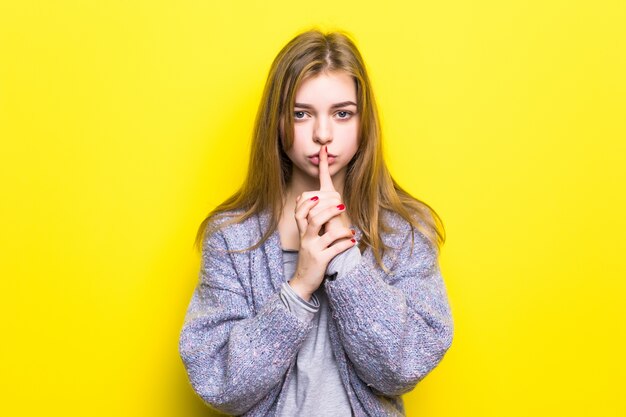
[302, 290]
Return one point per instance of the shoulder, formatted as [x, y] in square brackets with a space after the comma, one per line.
[228, 229]
[400, 233]
[394, 222]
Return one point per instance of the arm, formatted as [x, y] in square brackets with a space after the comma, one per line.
[395, 328]
[234, 358]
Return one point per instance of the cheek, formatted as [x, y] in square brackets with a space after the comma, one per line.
[349, 133]
[301, 131]
[297, 147]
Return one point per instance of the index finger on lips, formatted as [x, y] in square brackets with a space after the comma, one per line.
[326, 182]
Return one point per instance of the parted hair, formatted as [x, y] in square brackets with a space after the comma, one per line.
[369, 187]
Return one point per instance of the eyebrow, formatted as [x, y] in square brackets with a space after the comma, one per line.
[334, 106]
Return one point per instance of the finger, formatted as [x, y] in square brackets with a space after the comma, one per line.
[302, 213]
[326, 200]
[326, 182]
[307, 195]
[315, 222]
[339, 247]
[331, 236]
[305, 205]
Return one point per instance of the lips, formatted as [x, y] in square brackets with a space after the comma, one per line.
[315, 159]
[318, 155]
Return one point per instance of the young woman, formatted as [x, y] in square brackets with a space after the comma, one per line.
[320, 292]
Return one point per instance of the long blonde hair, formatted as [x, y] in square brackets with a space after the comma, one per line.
[369, 186]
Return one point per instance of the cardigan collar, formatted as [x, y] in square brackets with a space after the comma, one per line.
[272, 250]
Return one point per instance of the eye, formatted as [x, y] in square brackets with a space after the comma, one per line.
[299, 115]
[344, 114]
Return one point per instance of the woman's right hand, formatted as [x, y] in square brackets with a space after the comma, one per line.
[316, 250]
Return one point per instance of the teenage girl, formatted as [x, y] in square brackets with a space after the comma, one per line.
[320, 292]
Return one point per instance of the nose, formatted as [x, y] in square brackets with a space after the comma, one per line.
[322, 132]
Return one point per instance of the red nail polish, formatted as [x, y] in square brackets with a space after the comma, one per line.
[314, 198]
[341, 207]
[326, 147]
[352, 240]
[353, 232]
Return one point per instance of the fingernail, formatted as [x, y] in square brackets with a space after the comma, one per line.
[352, 240]
[314, 198]
[326, 147]
[353, 232]
[341, 207]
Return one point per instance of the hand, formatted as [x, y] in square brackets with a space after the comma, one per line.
[323, 232]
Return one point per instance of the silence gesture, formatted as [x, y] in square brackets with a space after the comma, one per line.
[326, 185]
[323, 228]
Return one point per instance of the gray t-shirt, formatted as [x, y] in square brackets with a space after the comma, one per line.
[315, 388]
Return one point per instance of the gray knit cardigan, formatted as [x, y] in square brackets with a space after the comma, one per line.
[388, 330]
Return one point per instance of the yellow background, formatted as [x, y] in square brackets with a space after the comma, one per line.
[123, 122]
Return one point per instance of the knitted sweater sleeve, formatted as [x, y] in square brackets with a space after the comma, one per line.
[396, 326]
[233, 357]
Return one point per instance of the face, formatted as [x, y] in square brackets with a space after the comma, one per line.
[325, 114]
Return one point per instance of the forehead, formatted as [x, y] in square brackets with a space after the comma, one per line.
[327, 88]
